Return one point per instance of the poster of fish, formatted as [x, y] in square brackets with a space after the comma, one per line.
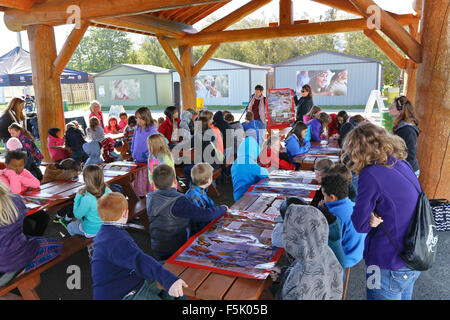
[280, 108]
[233, 244]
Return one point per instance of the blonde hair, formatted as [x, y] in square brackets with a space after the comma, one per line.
[369, 144]
[157, 145]
[201, 173]
[93, 123]
[14, 106]
[111, 206]
[94, 180]
[93, 103]
[313, 112]
[323, 165]
[8, 211]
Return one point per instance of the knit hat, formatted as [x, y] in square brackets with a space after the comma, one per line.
[13, 144]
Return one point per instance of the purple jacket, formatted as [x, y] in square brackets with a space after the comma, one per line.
[315, 128]
[393, 197]
[139, 149]
[16, 249]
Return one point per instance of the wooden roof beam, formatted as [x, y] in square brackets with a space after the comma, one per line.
[344, 5]
[54, 12]
[303, 29]
[18, 4]
[204, 59]
[206, 12]
[172, 56]
[394, 30]
[286, 12]
[396, 57]
[149, 24]
[69, 48]
[236, 15]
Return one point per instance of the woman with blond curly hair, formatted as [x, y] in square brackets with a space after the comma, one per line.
[387, 198]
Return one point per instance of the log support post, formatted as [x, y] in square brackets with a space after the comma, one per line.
[432, 102]
[188, 95]
[47, 86]
[411, 68]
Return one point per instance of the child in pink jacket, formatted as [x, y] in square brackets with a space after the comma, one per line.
[15, 176]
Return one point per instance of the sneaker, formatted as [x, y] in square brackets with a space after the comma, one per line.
[64, 222]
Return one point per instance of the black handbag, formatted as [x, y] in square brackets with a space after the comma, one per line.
[420, 242]
[441, 212]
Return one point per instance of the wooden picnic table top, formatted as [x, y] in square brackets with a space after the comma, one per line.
[209, 285]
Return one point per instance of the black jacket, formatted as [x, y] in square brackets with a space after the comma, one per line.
[304, 104]
[410, 134]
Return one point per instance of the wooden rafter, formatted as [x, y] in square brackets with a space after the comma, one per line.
[54, 12]
[396, 57]
[69, 48]
[306, 29]
[394, 30]
[286, 12]
[18, 4]
[204, 59]
[150, 25]
[172, 56]
[206, 12]
[344, 5]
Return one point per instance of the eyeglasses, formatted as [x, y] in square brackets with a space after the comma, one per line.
[304, 91]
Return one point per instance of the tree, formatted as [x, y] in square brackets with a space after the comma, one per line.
[101, 49]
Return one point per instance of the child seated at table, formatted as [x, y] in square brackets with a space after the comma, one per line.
[66, 169]
[55, 144]
[321, 168]
[317, 126]
[75, 140]
[202, 177]
[20, 253]
[315, 273]
[169, 128]
[334, 234]
[159, 153]
[93, 149]
[30, 164]
[219, 139]
[15, 176]
[340, 168]
[245, 170]
[170, 212]
[87, 221]
[271, 157]
[95, 132]
[335, 192]
[312, 114]
[120, 269]
[297, 141]
[128, 132]
[27, 140]
[252, 127]
[113, 126]
[123, 123]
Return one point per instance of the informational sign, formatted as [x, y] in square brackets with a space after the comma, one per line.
[239, 243]
[280, 108]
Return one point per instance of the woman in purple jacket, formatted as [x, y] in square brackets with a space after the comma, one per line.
[18, 252]
[387, 196]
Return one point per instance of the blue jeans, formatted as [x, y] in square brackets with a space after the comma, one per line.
[394, 285]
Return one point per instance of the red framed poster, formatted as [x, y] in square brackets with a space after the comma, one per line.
[280, 109]
[239, 243]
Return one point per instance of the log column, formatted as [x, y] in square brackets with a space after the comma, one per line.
[433, 100]
[47, 87]
[187, 80]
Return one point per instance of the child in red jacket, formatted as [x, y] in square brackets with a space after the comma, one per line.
[270, 157]
[169, 128]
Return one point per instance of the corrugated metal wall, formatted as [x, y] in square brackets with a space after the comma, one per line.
[363, 76]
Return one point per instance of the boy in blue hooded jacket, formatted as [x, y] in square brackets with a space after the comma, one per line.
[245, 170]
[335, 192]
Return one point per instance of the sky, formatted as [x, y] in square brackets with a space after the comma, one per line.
[313, 9]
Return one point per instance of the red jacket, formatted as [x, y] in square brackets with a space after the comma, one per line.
[275, 162]
[332, 126]
[166, 129]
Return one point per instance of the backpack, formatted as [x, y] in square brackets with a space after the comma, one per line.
[419, 241]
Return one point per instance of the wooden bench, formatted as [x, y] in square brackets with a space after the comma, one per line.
[28, 282]
[138, 209]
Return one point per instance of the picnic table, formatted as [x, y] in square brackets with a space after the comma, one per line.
[209, 285]
[318, 152]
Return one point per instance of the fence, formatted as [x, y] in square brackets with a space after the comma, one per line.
[78, 93]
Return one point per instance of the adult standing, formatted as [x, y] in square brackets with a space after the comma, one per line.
[257, 105]
[96, 111]
[305, 103]
[387, 199]
[13, 113]
[406, 127]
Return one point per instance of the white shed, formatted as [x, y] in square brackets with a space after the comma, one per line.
[226, 82]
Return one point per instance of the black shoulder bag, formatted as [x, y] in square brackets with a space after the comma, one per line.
[419, 241]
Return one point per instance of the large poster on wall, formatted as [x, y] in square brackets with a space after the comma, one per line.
[125, 89]
[324, 82]
[212, 86]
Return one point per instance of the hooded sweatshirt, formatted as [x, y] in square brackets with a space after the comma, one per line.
[245, 170]
[93, 150]
[352, 241]
[186, 122]
[316, 273]
[410, 134]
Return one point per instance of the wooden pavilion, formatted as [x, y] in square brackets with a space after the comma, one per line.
[424, 45]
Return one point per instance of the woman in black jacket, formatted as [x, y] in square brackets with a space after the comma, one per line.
[406, 127]
[13, 113]
[305, 103]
